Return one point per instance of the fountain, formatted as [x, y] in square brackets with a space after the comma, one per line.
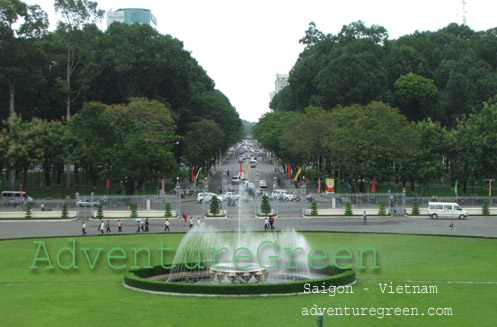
[244, 263]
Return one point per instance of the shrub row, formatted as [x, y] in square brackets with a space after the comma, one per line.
[138, 279]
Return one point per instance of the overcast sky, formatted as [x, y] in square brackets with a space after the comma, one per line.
[243, 44]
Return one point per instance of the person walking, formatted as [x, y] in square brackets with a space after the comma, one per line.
[185, 217]
[146, 225]
[138, 227]
[119, 226]
[451, 225]
[266, 222]
[142, 226]
[198, 222]
[191, 222]
[364, 217]
[271, 222]
[101, 227]
[107, 225]
[83, 227]
[166, 226]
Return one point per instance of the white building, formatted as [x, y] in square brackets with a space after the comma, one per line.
[280, 82]
[131, 16]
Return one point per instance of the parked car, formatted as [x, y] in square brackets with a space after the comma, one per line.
[231, 196]
[236, 180]
[446, 210]
[87, 203]
[208, 197]
[262, 184]
[14, 198]
[283, 195]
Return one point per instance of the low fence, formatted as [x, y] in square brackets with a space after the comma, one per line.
[395, 203]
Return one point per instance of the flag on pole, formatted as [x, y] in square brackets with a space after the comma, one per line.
[289, 169]
[455, 188]
[246, 171]
[108, 186]
[20, 186]
[191, 174]
[319, 185]
[373, 189]
[298, 173]
[198, 172]
[162, 190]
[490, 189]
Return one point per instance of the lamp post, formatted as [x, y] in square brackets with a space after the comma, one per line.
[224, 189]
[206, 189]
[91, 204]
[275, 185]
[303, 192]
[178, 196]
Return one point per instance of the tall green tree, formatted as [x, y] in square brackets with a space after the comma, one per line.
[19, 24]
[415, 95]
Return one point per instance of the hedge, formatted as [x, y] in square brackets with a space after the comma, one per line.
[138, 279]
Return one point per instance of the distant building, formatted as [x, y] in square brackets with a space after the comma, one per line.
[131, 16]
[280, 82]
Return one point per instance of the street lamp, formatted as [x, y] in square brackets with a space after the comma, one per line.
[178, 196]
[303, 189]
[224, 189]
[206, 188]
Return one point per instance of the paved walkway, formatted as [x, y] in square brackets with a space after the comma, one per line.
[485, 227]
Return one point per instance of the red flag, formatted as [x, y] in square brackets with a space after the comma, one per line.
[108, 186]
[289, 169]
[20, 186]
[241, 168]
[319, 185]
[191, 175]
[373, 190]
[163, 187]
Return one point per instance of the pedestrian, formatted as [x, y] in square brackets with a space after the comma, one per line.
[166, 226]
[83, 227]
[142, 226]
[99, 224]
[146, 225]
[198, 222]
[107, 225]
[119, 226]
[191, 222]
[266, 223]
[138, 229]
[271, 222]
[185, 217]
[102, 227]
[451, 225]
[364, 217]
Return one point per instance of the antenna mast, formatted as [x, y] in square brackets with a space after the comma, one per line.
[464, 12]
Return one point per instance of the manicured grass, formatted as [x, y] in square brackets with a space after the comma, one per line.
[91, 297]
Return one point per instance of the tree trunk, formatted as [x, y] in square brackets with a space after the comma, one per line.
[76, 176]
[46, 172]
[412, 185]
[12, 92]
[12, 179]
[68, 114]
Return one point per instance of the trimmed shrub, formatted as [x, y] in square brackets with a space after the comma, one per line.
[348, 209]
[100, 211]
[485, 210]
[415, 208]
[214, 208]
[265, 205]
[134, 211]
[65, 211]
[314, 208]
[138, 278]
[168, 212]
[28, 211]
[383, 209]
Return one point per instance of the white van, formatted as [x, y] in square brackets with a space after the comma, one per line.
[14, 198]
[446, 210]
[253, 163]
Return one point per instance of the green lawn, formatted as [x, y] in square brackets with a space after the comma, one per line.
[86, 297]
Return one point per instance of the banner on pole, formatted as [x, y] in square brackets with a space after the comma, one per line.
[319, 185]
[198, 172]
[289, 170]
[330, 185]
[298, 173]
[373, 189]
